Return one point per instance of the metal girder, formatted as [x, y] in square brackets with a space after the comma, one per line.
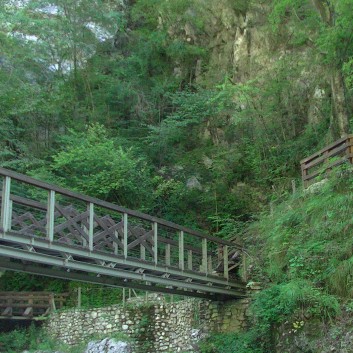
[42, 243]
[41, 270]
[70, 264]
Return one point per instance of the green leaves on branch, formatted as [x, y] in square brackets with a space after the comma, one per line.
[98, 165]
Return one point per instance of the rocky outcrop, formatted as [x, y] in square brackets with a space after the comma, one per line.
[108, 346]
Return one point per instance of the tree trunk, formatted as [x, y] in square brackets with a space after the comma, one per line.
[339, 111]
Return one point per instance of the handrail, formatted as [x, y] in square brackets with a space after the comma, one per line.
[30, 305]
[50, 187]
[341, 149]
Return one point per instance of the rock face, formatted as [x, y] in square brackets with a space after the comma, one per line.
[108, 346]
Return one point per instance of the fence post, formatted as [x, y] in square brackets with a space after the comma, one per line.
[304, 174]
[50, 215]
[167, 254]
[5, 204]
[225, 262]
[245, 277]
[125, 240]
[190, 260]
[79, 297]
[350, 149]
[294, 186]
[91, 226]
[181, 250]
[204, 255]
[52, 302]
[155, 243]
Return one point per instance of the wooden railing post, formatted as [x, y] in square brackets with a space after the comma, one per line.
[50, 215]
[6, 212]
[52, 302]
[125, 240]
[190, 260]
[142, 252]
[167, 254]
[350, 149]
[204, 255]
[226, 262]
[155, 243]
[79, 297]
[245, 277]
[181, 250]
[209, 264]
[91, 226]
[304, 174]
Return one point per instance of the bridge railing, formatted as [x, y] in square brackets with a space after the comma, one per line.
[323, 161]
[35, 208]
[28, 305]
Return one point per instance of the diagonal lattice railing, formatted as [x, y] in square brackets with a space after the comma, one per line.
[53, 231]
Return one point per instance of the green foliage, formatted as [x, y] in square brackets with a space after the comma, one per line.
[95, 164]
[124, 120]
[230, 343]
[36, 339]
[17, 340]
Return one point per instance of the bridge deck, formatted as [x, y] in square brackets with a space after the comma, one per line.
[51, 231]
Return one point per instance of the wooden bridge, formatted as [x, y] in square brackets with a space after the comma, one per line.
[29, 305]
[48, 230]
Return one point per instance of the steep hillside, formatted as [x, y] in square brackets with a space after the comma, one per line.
[302, 254]
[198, 112]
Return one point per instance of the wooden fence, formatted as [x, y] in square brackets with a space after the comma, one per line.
[322, 162]
[29, 305]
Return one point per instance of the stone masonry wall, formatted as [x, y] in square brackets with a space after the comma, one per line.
[155, 326]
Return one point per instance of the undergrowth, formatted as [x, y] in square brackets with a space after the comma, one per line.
[302, 253]
[34, 339]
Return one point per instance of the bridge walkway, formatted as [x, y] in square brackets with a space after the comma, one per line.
[51, 231]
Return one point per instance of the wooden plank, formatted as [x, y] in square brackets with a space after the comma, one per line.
[27, 202]
[110, 206]
[139, 240]
[29, 311]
